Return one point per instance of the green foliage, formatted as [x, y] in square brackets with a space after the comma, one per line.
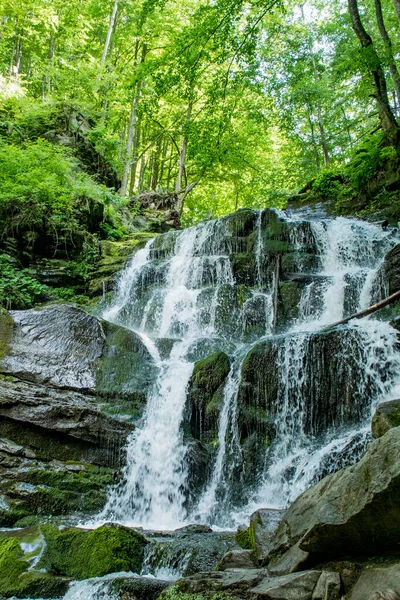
[18, 290]
[368, 159]
[328, 184]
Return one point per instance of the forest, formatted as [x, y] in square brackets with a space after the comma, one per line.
[110, 111]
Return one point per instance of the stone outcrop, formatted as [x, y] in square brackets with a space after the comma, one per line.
[344, 512]
[253, 584]
[386, 416]
[376, 579]
[71, 389]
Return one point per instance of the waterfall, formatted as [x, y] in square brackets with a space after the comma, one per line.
[216, 286]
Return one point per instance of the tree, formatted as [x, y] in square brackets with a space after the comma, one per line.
[386, 116]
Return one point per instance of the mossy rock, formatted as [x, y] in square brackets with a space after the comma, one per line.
[289, 302]
[12, 565]
[387, 416]
[209, 373]
[83, 554]
[6, 331]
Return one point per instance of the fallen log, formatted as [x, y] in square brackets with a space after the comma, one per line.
[367, 311]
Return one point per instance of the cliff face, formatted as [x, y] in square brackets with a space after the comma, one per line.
[71, 389]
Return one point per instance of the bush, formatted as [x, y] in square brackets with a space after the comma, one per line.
[46, 201]
[328, 184]
[368, 159]
[17, 289]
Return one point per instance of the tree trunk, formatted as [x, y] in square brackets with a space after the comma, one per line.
[388, 48]
[386, 116]
[313, 140]
[131, 137]
[368, 311]
[397, 7]
[109, 33]
[184, 147]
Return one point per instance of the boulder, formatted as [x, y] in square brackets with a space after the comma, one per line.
[81, 554]
[253, 584]
[62, 346]
[205, 394]
[355, 511]
[328, 587]
[258, 536]
[188, 551]
[20, 578]
[376, 580]
[297, 586]
[238, 559]
[387, 416]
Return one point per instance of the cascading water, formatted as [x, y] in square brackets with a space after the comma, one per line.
[188, 294]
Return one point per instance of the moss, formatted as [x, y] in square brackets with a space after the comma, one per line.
[6, 332]
[247, 537]
[175, 593]
[244, 268]
[83, 554]
[211, 371]
[12, 565]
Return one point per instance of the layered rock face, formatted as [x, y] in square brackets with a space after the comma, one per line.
[71, 389]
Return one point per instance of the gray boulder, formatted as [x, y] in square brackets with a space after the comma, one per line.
[356, 510]
[376, 580]
[297, 586]
[238, 559]
[387, 416]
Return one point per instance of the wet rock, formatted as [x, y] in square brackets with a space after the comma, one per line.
[328, 587]
[137, 588]
[353, 511]
[376, 580]
[65, 347]
[258, 536]
[387, 416]
[205, 394]
[391, 270]
[113, 257]
[188, 551]
[297, 586]
[195, 528]
[238, 559]
[247, 584]
[83, 554]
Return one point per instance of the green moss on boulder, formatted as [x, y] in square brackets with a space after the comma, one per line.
[83, 554]
[6, 331]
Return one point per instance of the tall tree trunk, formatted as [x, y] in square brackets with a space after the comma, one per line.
[323, 137]
[313, 140]
[321, 127]
[134, 162]
[132, 129]
[397, 7]
[183, 152]
[388, 48]
[109, 32]
[386, 116]
[131, 137]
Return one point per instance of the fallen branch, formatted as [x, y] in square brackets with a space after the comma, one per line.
[367, 311]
